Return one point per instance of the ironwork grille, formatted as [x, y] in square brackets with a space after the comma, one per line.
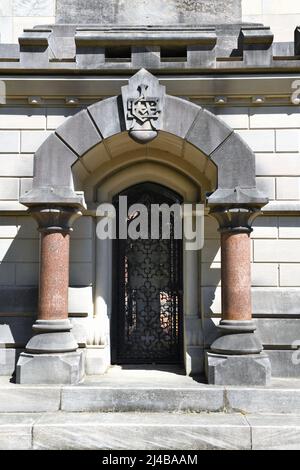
[148, 289]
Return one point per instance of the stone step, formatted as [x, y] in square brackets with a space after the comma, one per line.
[185, 396]
[148, 431]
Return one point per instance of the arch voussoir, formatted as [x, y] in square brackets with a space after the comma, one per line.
[79, 133]
[85, 130]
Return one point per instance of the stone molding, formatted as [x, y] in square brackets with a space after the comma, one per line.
[235, 219]
[51, 336]
[209, 90]
[55, 219]
[231, 48]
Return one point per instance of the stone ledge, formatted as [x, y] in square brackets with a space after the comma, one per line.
[16, 431]
[29, 399]
[171, 394]
[141, 431]
[142, 399]
[236, 47]
[275, 432]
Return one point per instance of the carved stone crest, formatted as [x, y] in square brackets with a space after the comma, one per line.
[143, 108]
[143, 103]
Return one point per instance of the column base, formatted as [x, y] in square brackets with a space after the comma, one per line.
[60, 368]
[248, 369]
[52, 336]
[237, 337]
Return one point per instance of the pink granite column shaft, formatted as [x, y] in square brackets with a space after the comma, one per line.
[54, 276]
[236, 276]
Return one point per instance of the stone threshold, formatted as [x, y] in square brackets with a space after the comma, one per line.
[149, 431]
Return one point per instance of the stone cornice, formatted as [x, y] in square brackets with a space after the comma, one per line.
[275, 89]
[272, 208]
[237, 48]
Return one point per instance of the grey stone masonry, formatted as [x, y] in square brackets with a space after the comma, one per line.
[251, 369]
[213, 431]
[65, 47]
[149, 391]
[53, 180]
[148, 11]
[124, 408]
[50, 368]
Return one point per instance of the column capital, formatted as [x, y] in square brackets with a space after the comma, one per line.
[234, 219]
[55, 218]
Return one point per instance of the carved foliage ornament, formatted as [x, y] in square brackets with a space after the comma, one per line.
[143, 103]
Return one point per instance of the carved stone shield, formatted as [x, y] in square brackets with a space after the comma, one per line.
[143, 104]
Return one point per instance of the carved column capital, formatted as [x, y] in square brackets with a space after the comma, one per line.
[55, 219]
[235, 219]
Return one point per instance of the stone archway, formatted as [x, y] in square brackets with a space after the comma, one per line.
[144, 115]
[54, 181]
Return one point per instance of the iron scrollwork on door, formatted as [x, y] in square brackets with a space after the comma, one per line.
[148, 308]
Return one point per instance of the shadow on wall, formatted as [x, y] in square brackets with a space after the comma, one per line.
[210, 281]
[19, 250]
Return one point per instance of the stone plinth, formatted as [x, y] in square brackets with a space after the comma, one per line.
[252, 369]
[65, 368]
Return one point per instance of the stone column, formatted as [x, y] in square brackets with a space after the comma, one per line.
[51, 355]
[236, 356]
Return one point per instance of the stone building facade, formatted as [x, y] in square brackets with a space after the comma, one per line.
[228, 136]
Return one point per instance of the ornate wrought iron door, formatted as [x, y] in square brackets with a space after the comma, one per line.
[148, 289]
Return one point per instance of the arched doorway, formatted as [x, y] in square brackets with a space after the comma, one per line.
[147, 315]
[118, 142]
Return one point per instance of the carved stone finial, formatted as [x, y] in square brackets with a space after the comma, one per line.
[143, 103]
